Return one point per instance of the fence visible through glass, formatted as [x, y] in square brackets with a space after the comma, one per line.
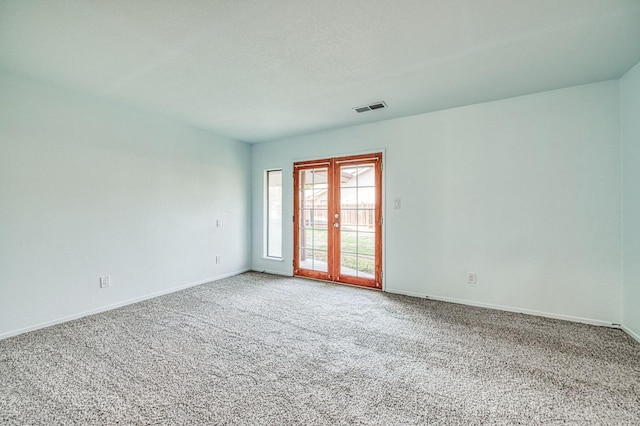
[358, 220]
[313, 219]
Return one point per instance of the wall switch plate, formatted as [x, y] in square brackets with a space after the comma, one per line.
[397, 203]
[218, 223]
[471, 277]
[105, 281]
[218, 260]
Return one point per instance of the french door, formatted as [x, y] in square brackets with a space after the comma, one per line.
[338, 220]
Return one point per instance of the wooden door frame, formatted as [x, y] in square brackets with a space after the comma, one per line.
[333, 205]
[309, 165]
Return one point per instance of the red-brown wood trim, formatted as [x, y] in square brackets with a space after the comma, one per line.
[296, 221]
[335, 232]
[331, 237]
[378, 274]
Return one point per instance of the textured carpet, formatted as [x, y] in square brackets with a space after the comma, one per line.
[259, 349]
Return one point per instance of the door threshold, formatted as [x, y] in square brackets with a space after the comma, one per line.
[339, 283]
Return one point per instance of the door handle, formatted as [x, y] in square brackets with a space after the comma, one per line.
[336, 225]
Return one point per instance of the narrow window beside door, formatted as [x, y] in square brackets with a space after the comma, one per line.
[274, 213]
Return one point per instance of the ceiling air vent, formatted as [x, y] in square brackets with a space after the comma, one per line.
[365, 108]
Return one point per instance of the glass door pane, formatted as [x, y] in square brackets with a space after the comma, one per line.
[358, 220]
[313, 219]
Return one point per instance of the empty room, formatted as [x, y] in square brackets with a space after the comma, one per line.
[319, 212]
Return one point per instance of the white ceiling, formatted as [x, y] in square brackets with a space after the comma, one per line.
[258, 70]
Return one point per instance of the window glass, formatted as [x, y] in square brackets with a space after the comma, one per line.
[274, 213]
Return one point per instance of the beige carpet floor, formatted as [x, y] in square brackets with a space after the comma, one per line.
[259, 349]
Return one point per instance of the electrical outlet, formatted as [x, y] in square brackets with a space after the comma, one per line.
[218, 260]
[471, 278]
[105, 281]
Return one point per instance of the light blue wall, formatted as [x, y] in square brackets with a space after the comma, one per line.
[90, 188]
[630, 108]
[525, 192]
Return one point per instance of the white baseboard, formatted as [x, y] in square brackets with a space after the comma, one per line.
[116, 305]
[405, 293]
[631, 333]
[512, 309]
[272, 272]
